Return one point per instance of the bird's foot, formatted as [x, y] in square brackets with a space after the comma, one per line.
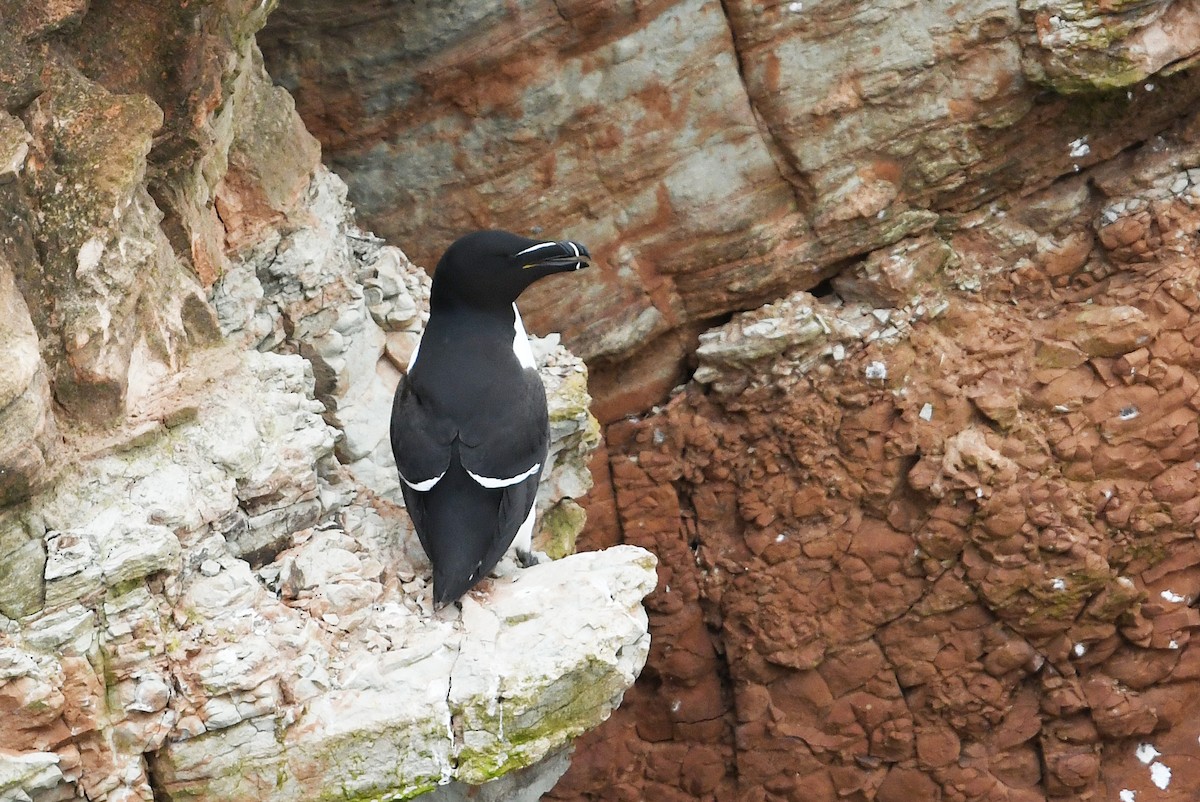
[528, 559]
[448, 611]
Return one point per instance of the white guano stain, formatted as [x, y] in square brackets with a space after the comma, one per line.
[876, 370]
[1160, 775]
[1146, 753]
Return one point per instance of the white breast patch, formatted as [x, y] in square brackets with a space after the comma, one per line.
[521, 347]
[412, 360]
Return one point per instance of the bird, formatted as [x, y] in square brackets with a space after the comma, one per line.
[470, 430]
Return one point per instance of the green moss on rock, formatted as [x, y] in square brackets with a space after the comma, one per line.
[561, 525]
[525, 734]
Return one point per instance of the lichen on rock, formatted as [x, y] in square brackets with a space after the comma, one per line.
[1088, 47]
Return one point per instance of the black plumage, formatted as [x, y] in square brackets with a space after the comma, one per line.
[469, 425]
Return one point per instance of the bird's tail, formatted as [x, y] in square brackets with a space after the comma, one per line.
[461, 516]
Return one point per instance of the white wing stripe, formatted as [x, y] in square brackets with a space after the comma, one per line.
[424, 485]
[491, 483]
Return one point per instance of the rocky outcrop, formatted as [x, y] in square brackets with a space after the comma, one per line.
[1079, 47]
[924, 519]
[211, 570]
[715, 155]
[933, 536]
[207, 587]
[163, 664]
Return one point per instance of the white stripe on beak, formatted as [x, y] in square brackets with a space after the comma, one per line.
[539, 246]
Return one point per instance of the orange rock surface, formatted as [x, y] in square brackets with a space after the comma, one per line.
[943, 548]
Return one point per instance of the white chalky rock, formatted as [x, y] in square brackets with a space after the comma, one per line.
[228, 600]
[465, 698]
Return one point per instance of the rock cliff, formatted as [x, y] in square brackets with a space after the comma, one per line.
[934, 537]
[927, 518]
[902, 294]
[716, 155]
[207, 587]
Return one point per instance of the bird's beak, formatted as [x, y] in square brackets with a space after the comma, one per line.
[565, 255]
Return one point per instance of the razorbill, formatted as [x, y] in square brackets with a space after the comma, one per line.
[469, 426]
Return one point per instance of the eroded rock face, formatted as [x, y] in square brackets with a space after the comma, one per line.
[119, 123]
[1084, 47]
[162, 664]
[24, 396]
[934, 538]
[714, 155]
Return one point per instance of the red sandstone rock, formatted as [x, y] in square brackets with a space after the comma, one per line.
[950, 562]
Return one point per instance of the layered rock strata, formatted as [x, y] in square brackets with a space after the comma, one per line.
[715, 155]
[933, 536]
[925, 527]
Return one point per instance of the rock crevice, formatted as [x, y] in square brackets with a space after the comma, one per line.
[719, 153]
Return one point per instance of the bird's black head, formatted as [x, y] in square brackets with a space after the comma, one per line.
[491, 268]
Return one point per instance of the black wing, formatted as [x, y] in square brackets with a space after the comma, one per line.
[515, 444]
[467, 522]
[512, 437]
[420, 438]
[421, 444]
